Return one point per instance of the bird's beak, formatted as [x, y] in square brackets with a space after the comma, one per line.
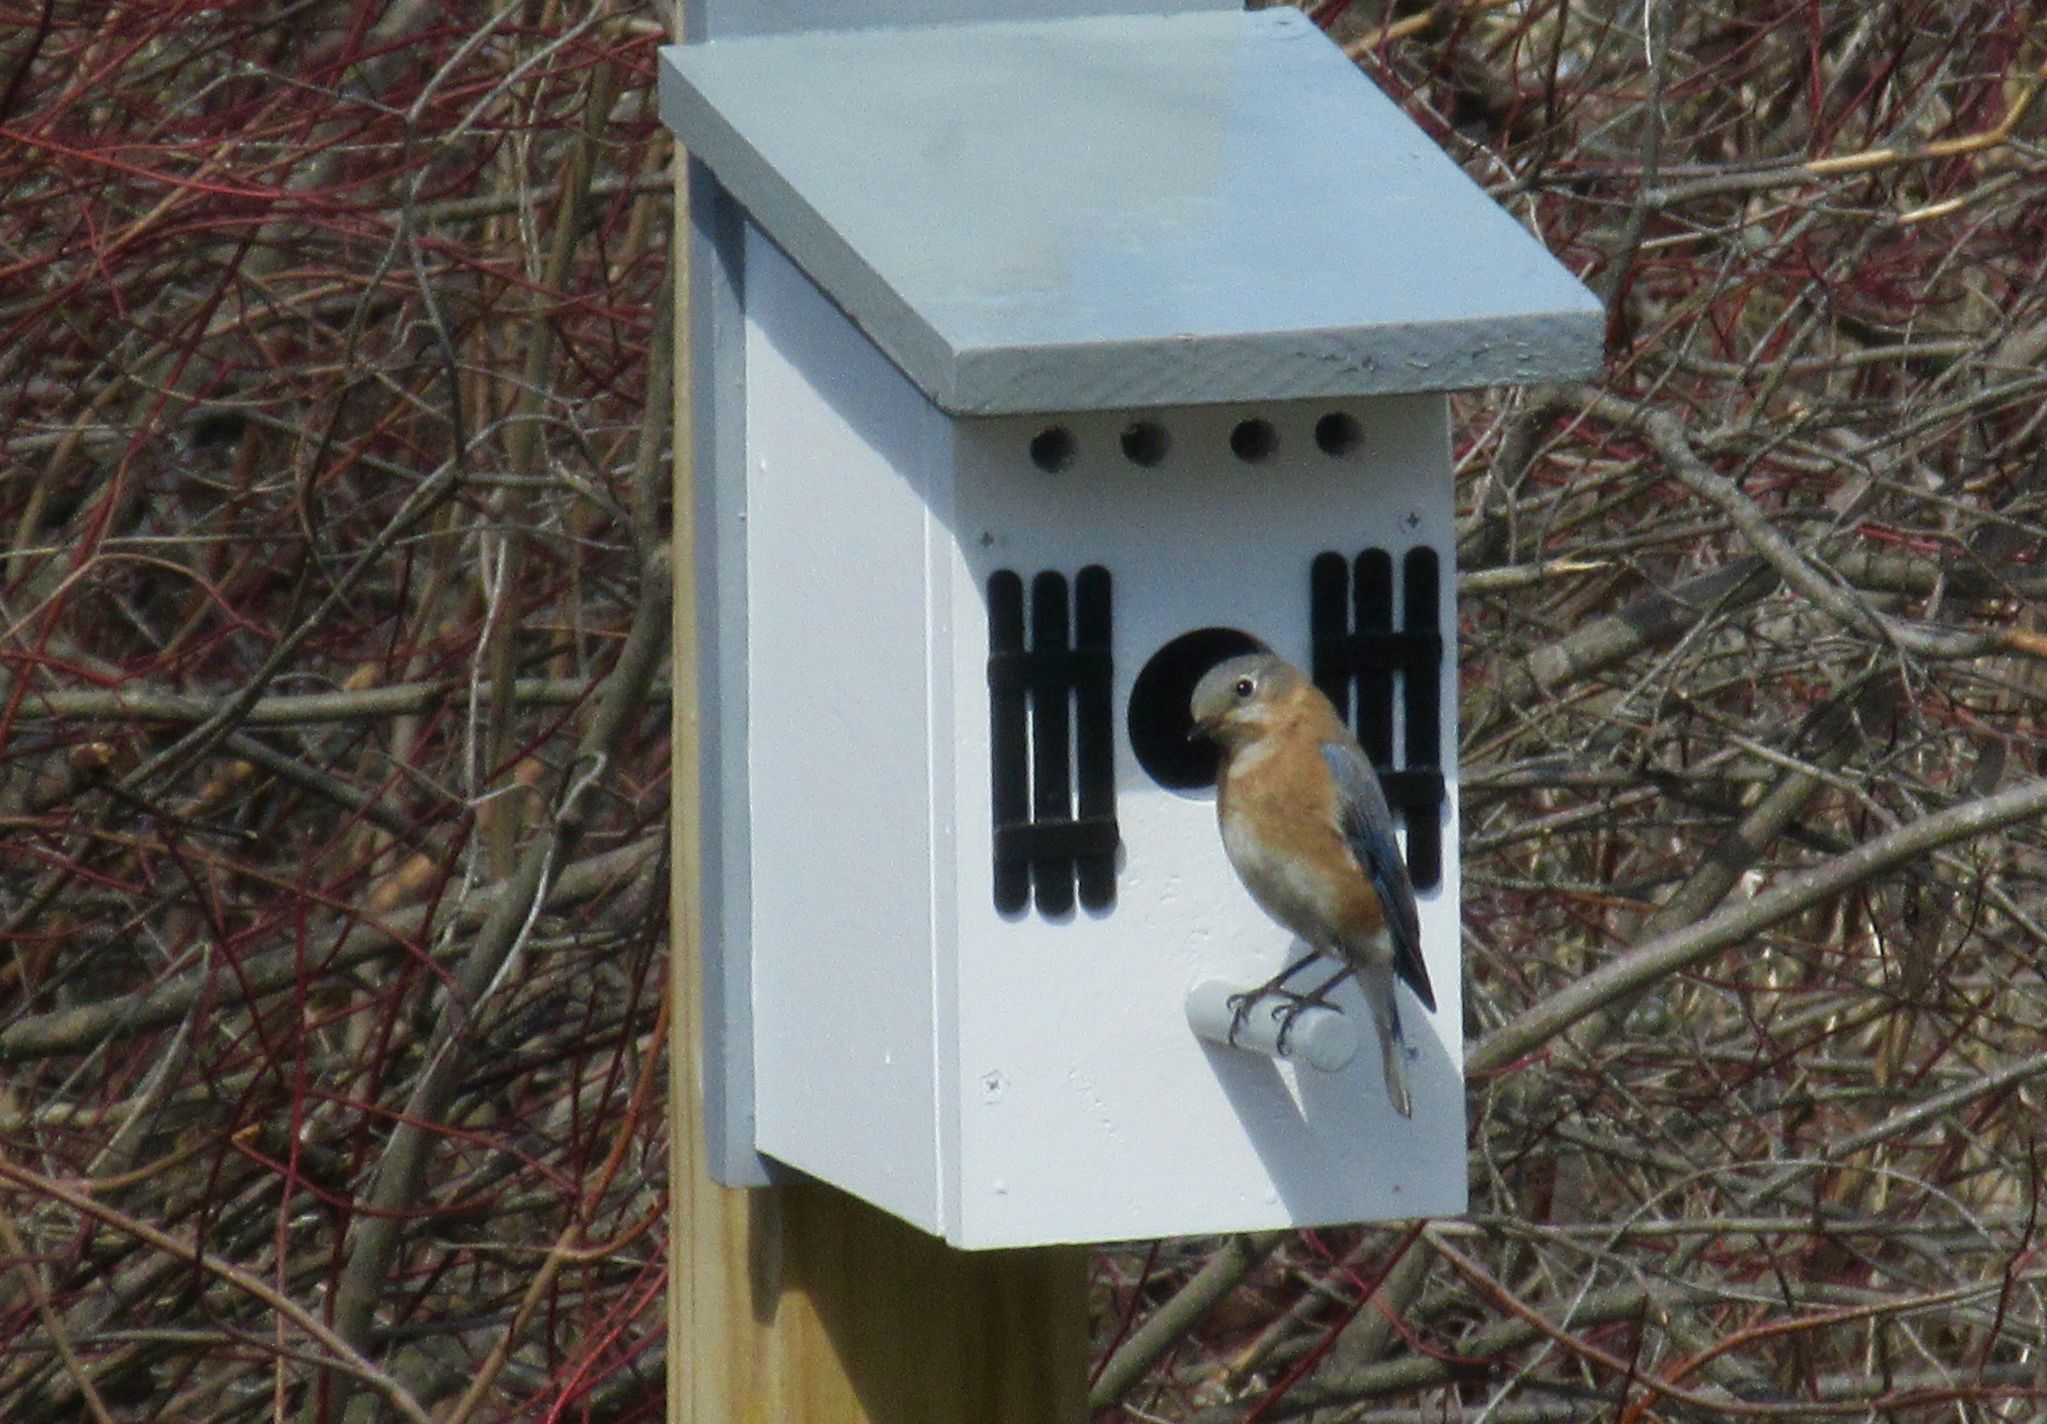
[1200, 731]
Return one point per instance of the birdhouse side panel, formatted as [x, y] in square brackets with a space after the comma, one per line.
[842, 723]
[717, 494]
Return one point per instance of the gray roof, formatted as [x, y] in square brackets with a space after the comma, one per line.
[1124, 210]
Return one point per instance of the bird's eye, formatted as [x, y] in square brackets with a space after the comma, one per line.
[1245, 687]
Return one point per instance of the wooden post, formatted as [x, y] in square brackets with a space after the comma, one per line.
[802, 1305]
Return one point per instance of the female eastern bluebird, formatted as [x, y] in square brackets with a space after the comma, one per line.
[1306, 826]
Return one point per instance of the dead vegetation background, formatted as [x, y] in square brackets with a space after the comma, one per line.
[333, 451]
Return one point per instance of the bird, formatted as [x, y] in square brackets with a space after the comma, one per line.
[1306, 827]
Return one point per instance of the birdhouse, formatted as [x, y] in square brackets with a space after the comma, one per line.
[1040, 364]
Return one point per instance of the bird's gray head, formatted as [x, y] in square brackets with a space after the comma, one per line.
[1239, 697]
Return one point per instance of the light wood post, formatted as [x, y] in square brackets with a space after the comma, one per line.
[802, 1305]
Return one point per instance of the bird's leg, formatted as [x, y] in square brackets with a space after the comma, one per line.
[1240, 1004]
[1299, 1004]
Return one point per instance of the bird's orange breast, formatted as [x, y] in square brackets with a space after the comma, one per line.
[1276, 804]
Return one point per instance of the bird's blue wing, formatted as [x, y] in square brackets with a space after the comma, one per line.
[1367, 825]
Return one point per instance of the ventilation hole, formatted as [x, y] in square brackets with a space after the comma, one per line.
[1009, 736]
[1051, 743]
[1338, 433]
[1094, 731]
[1424, 709]
[1375, 684]
[1360, 655]
[1145, 443]
[1329, 624]
[1053, 449]
[1254, 441]
[1161, 719]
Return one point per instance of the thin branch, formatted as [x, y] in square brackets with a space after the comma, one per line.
[344, 1357]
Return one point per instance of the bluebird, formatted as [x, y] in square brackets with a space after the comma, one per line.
[1306, 827]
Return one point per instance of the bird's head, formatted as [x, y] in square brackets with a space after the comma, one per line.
[1241, 697]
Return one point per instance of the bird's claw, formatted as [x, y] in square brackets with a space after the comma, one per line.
[1240, 1013]
[1286, 1015]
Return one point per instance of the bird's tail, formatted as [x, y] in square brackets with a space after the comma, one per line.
[1377, 980]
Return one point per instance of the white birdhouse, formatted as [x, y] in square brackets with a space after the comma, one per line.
[1039, 365]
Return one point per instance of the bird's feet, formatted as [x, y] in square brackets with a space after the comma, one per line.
[1287, 1008]
[1242, 1004]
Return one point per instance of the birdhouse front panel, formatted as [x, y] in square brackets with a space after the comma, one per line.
[986, 873]
[1142, 547]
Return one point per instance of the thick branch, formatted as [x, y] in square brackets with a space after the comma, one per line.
[1679, 949]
